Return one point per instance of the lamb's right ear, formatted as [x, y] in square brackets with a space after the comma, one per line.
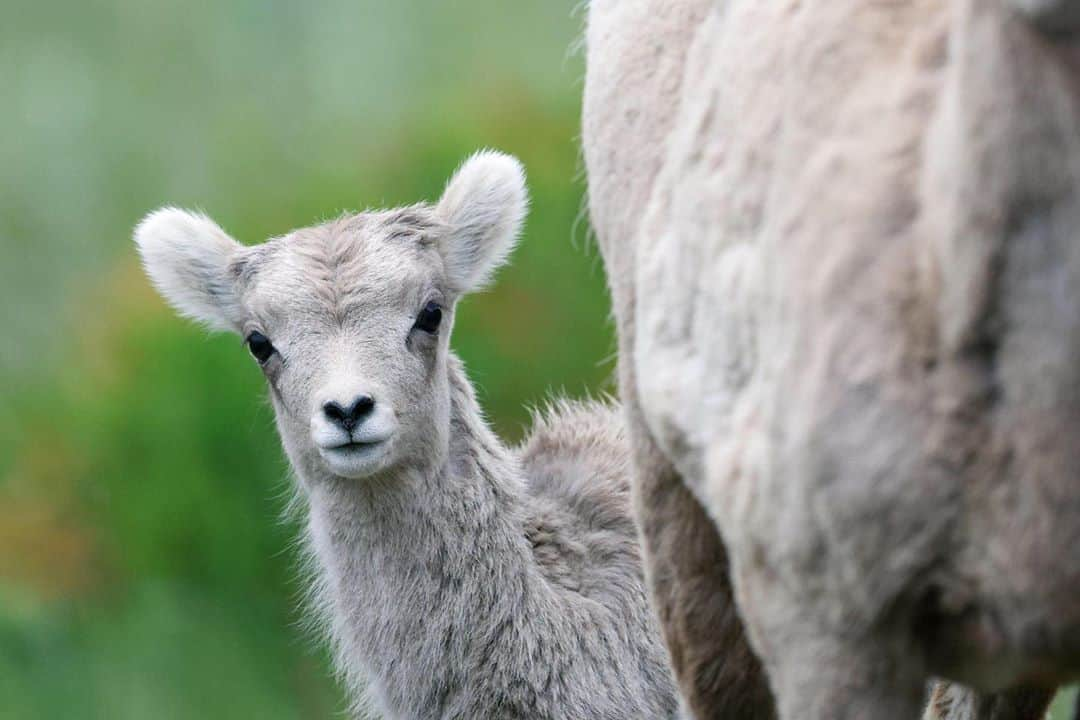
[187, 257]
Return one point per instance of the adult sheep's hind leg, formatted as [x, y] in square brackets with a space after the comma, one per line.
[718, 673]
[1022, 703]
[1054, 17]
[949, 701]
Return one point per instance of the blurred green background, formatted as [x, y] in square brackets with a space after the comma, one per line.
[146, 570]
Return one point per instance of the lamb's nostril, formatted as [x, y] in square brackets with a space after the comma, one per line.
[362, 406]
[349, 417]
[334, 413]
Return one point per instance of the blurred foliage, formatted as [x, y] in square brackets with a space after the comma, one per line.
[1063, 704]
[145, 566]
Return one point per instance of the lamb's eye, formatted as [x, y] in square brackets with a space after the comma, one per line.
[260, 346]
[429, 318]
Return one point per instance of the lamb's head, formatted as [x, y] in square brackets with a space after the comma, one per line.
[349, 320]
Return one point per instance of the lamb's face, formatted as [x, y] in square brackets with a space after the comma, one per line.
[350, 320]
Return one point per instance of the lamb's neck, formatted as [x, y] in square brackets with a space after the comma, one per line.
[423, 571]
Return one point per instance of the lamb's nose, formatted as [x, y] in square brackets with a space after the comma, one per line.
[350, 417]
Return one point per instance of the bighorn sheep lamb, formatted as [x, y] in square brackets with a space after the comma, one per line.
[461, 579]
[841, 240]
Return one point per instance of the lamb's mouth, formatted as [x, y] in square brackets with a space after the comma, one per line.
[351, 446]
[355, 459]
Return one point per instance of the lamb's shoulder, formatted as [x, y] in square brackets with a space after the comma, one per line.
[576, 462]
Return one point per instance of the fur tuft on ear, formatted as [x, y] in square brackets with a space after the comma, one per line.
[483, 206]
[187, 257]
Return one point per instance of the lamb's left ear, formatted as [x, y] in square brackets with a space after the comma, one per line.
[483, 207]
[187, 256]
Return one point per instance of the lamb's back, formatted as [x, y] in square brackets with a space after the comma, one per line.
[576, 461]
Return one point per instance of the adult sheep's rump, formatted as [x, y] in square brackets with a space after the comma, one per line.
[842, 246]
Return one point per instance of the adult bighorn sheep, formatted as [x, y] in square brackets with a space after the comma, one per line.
[460, 578]
[842, 244]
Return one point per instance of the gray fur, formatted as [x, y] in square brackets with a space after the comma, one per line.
[841, 242]
[635, 68]
[458, 578]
